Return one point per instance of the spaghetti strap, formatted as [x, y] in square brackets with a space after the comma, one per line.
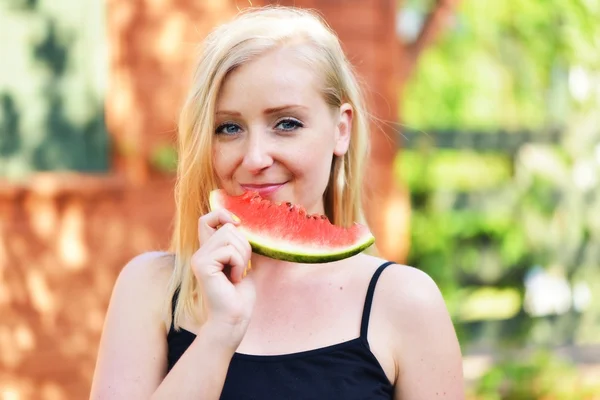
[173, 305]
[364, 324]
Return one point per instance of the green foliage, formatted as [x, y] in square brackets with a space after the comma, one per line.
[536, 377]
[164, 158]
[491, 233]
[463, 229]
[504, 64]
[448, 169]
[52, 87]
[481, 222]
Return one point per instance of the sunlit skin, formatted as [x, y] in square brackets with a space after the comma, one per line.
[275, 133]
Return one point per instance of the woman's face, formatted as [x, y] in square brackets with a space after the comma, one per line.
[275, 134]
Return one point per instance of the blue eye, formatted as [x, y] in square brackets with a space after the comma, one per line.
[227, 129]
[289, 124]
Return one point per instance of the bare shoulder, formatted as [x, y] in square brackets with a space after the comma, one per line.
[406, 291]
[412, 301]
[411, 291]
[148, 269]
[424, 341]
[143, 281]
[130, 362]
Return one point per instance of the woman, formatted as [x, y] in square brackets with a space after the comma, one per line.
[275, 108]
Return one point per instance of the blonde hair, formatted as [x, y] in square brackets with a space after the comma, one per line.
[253, 32]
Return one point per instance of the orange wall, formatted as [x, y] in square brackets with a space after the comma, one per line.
[152, 49]
[64, 237]
[63, 240]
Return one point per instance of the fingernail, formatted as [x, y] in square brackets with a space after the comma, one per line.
[235, 218]
[248, 268]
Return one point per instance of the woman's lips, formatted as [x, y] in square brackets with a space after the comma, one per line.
[264, 189]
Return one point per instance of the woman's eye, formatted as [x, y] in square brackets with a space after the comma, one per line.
[227, 129]
[288, 124]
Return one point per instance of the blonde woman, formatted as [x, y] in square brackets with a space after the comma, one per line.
[274, 107]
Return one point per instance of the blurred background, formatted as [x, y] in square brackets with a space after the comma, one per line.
[485, 170]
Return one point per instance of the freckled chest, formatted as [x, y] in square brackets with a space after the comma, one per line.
[294, 317]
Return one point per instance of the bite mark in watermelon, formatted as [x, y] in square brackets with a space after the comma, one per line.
[285, 231]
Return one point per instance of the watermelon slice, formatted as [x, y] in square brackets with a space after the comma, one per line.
[285, 231]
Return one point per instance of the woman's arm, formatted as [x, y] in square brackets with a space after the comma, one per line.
[428, 355]
[132, 357]
[201, 370]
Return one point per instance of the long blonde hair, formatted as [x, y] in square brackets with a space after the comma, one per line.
[253, 32]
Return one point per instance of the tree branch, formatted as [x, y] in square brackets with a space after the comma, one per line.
[435, 23]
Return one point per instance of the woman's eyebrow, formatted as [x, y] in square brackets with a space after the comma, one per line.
[226, 112]
[268, 111]
[286, 107]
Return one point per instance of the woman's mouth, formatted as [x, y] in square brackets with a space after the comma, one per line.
[263, 189]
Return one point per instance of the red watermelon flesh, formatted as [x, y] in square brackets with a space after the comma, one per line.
[287, 232]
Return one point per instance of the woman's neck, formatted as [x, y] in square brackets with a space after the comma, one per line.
[263, 267]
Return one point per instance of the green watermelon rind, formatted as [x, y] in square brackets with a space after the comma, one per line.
[298, 256]
[263, 247]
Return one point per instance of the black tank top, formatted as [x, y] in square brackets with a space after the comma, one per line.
[347, 370]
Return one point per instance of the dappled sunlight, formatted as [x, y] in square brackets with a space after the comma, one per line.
[71, 246]
[10, 355]
[483, 220]
[173, 31]
[489, 303]
[44, 219]
[59, 270]
[24, 338]
[543, 160]
[474, 366]
[42, 298]
[395, 210]
[53, 391]
[151, 57]
[15, 390]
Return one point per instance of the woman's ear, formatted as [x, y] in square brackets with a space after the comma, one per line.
[343, 130]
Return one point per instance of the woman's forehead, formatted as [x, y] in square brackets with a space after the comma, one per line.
[273, 80]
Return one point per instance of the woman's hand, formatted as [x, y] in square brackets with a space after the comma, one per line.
[220, 265]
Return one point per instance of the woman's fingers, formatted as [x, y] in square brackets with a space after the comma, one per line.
[238, 272]
[209, 223]
[229, 255]
[233, 238]
[223, 248]
[238, 240]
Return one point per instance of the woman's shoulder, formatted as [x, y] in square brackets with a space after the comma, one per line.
[419, 332]
[143, 281]
[152, 266]
[407, 291]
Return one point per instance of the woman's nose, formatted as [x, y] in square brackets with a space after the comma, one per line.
[258, 154]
